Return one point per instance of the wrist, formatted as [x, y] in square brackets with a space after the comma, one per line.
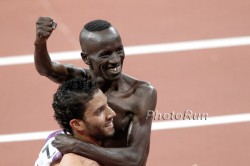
[39, 42]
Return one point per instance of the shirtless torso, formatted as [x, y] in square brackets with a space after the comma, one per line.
[103, 51]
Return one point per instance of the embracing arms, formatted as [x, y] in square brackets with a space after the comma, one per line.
[136, 153]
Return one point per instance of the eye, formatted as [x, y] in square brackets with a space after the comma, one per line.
[100, 110]
[105, 54]
[120, 50]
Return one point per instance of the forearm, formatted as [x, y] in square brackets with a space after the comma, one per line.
[128, 156]
[42, 60]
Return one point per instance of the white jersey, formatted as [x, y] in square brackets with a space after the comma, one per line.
[49, 153]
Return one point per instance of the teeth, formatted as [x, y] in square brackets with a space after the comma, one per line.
[110, 124]
[115, 69]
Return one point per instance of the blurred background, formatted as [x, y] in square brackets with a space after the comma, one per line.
[194, 52]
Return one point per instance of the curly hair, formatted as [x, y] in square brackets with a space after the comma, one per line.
[97, 25]
[70, 100]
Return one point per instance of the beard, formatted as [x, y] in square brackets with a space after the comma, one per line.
[97, 132]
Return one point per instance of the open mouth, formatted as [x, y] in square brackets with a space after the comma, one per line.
[115, 69]
[110, 125]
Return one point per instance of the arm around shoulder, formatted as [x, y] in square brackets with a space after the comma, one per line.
[136, 153]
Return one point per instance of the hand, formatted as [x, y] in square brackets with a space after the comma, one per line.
[44, 28]
[65, 143]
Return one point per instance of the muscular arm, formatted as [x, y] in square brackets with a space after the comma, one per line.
[137, 152]
[55, 71]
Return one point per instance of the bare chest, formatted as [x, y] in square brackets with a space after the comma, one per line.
[125, 109]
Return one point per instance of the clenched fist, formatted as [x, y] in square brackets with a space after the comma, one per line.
[44, 28]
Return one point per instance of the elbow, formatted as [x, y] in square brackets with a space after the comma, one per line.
[43, 72]
[134, 159]
[138, 157]
[133, 162]
[126, 158]
[129, 162]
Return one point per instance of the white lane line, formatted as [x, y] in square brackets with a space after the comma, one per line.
[140, 49]
[216, 120]
[162, 125]
[29, 136]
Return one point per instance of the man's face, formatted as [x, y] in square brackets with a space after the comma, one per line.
[98, 117]
[105, 53]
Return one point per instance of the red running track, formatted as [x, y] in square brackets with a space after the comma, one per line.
[214, 81]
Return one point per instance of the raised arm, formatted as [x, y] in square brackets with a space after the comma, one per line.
[136, 153]
[55, 71]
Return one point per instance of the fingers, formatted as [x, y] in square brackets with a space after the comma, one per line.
[60, 139]
[54, 24]
[45, 26]
[53, 143]
[45, 21]
[62, 143]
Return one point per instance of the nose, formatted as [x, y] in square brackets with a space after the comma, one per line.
[114, 58]
[110, 113]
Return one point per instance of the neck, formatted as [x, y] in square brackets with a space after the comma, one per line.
[87, 139]
[106, 85]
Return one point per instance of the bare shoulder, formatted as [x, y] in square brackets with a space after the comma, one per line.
[76, 160]
[141, 88]
[146, 87]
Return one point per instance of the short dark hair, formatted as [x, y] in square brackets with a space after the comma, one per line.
[70, 100]
[97, 25]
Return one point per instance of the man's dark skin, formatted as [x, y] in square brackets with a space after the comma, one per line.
[128, 97]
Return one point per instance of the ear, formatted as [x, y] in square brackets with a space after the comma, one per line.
[77, 124]
[85, 58]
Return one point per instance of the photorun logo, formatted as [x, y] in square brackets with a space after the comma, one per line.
[186, 115]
